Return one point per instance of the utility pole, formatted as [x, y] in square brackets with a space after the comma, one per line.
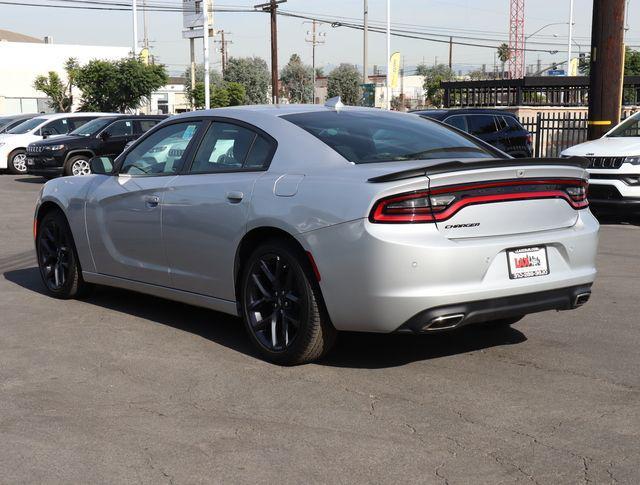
[272, 8]
[607, 66]
[224, 50]
[316, 39]
[205, 37]
[365, 43]
[135, 28]
[570, 40]
[450, 52]
[145, 32]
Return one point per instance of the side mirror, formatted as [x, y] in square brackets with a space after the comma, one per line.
[101, 165]
[46, 134]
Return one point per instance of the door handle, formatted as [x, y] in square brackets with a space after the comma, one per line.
[235, 196]
[151, 200]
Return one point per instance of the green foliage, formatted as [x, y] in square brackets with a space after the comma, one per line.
[237, 93]
[297, 80]
[196, 97]
[219, 97]
[60, 94]
[319, 72]
[504, 53]
[118, 86]
[344, 81]
[433, 76]
[253, 74]
[631, 63]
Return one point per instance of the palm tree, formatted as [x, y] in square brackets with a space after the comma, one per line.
[504, 54]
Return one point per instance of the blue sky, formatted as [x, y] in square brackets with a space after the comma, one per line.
[250, 31]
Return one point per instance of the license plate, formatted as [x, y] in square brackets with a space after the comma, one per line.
[528, 262]
[30, 161]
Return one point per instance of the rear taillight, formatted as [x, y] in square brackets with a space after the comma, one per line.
[442, 203]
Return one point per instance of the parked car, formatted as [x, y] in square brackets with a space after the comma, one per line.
[614, 166]
[9, 122]
[307, 219]
[497, 127]
[13, 144]
[70, 154]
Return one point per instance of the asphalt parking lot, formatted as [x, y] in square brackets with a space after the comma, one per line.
[126, 388]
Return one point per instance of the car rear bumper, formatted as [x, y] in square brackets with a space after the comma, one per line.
[613, 194]
[449, 317]
[376, 277]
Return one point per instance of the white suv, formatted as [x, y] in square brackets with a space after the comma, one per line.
[13, 144]
[614, 166]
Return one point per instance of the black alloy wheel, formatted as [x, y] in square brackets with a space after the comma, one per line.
[282, 309]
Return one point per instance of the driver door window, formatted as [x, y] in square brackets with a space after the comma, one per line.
[163, 152]
[120, 128]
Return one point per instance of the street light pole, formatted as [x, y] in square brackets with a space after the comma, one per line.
[135, 28]
[205, 38]
[531, 35]
[365, 42]
[388, 83]
[569, 41]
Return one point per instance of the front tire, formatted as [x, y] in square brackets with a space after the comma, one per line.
[17, 162]
[282, 307]
[57, 258]
[78, 165]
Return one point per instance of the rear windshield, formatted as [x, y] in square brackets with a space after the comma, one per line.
[629, 128]
[370, 137]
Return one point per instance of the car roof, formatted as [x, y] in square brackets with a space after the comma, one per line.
[77, 114]
[463, 111]
[276, 110]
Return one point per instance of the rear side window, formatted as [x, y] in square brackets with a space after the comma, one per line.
[513, 124]
[363, 136]
[120, 128]
[481, 124]
[458, 121]
[57, 127]
[146, 125]
[75, 123]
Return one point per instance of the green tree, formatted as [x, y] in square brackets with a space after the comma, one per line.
[297, 80]
[237, 93]
[433, 76]
[631, 63]
[344, 81]
[60, 93]
[196, 96]
[253, 74]
[504, 54]
[319, 72]
[219, 97]
[120, 85]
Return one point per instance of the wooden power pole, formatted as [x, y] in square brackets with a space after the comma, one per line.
[607, 66]
[272, 8]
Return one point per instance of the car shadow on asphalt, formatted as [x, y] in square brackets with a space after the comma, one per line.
[614, 219]
[352, 349]
[29, 179]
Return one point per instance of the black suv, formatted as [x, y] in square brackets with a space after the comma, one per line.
[494, 126]
[70, 154]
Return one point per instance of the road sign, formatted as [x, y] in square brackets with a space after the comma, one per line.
[556, 72]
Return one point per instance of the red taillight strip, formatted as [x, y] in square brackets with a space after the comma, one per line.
[429, 215]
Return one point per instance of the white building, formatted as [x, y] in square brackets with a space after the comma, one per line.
[23, 58]
[170, 99]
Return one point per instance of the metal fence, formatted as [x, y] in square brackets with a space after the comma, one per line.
[554, 132]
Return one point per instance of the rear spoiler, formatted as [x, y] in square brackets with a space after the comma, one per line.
[457, 166]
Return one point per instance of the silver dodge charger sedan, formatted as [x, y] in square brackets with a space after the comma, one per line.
[305, 220]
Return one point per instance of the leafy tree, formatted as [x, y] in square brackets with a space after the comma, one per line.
[219, 97]
[477, 75]
[118, 85]
[504, 54]
[237, 93]
[196, 96]
[60, 93]
[631, 63]
[253, 74]
[344, 81]
[297, 80]
[319, 72]
[433, 76]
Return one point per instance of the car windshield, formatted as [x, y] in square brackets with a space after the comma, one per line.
[91, 127]
[628, 128]
[369, 137]
[27, 126]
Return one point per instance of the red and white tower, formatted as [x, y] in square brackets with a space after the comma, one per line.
[516, 39]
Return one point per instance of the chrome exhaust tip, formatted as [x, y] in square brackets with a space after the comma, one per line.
[581, 299]
[444, 322]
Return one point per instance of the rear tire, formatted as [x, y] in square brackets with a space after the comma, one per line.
[17, 162]
[282, 306]
[57, 258]
[78, 165]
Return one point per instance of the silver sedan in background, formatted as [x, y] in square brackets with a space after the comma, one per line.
[305, 220]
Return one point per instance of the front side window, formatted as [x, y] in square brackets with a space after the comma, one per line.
[370, 137]
[161, 153]
[75, 123]
[56, 127]
[91, 127]
[481, 124]
[629, 128]
[227, 147]
[27, 126]
[120, 128]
